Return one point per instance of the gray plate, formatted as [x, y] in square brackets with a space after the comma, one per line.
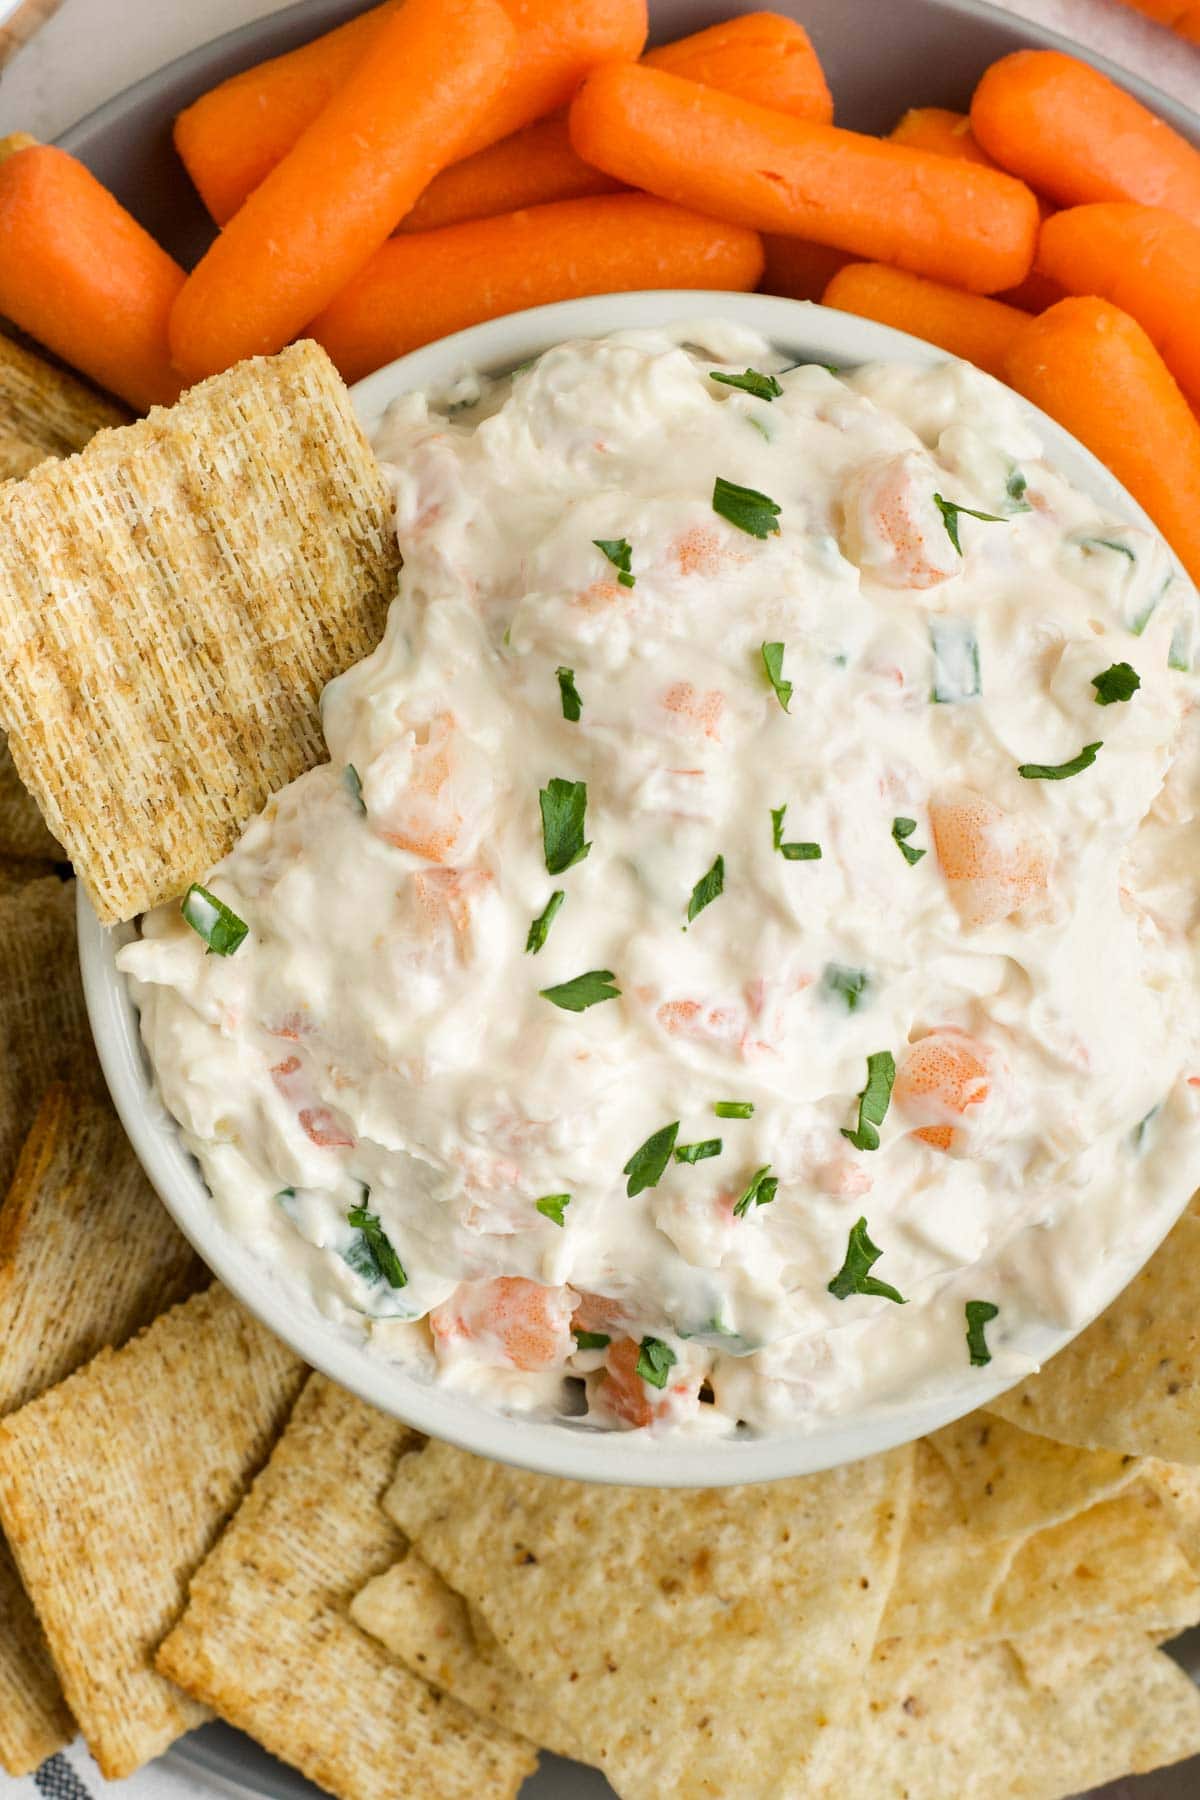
[880, 56]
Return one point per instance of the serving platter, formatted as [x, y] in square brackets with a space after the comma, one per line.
[880, 58]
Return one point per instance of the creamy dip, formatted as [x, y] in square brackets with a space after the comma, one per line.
[738, 964]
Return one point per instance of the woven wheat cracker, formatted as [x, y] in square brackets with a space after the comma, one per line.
[172, 602]
[88, 1252]
[44, 411]
[34, 1719]
[267, 1638]
[115, 1485]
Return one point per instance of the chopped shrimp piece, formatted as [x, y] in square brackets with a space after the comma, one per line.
[625, 1396]
[843, 1178]
[940, 1078]
[448, 897]
[893, 529]
[601, 595]
[599, 1312]
[430, 791]
[993, 863]
[508, 1321]
[699, 713]
[322, 1125]
[698, 551]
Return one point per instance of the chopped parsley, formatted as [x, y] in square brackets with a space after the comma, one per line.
[873, 1101]
[694, 1153]
[648, 1163]
[1015, 487]
[854, 1276]
[378, 1246]
[848, 984]
[539, 930]
[583, 991]
[655, 1361]
[772, 656]
[734, 1109]
[707, 889]
[1061, 771]
[212, 920]
[752, 512]
[902, 829]
[619, 552]
[352, 782]
[763, 387]
[950, 510]
[979, 1314]
[591, 1340]
[1120, 682]
[553, 1206]
[564, 810]
[760, 1190]
[791, 852]
[572, 705]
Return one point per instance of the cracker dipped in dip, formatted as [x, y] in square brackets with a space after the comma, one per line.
[738, 966]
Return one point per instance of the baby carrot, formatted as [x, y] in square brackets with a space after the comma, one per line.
[762, 56]
[233, 136]
[723, 155]
[82, 277]
[1188, 25]
[938, 128]
[324, 210]
[980, 331]
[1092, 367]
[424, 286]
[1073, 134]
[1146, 261]
[799, 269]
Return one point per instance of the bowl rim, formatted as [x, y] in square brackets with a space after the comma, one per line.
[811, 333]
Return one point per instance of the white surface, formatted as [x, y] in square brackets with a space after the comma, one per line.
[803, 332]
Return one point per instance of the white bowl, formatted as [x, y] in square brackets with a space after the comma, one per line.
[567, 1448]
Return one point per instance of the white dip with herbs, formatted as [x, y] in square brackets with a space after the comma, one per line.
[668, 819]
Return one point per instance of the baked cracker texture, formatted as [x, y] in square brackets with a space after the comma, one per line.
[268, 1642]
[172, 602]
[34, 1717]
[44, 411]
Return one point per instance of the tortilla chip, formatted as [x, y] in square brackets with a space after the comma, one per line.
[267, 1638]
[949, 1574]
[113, 1488]
[428, 1627]
[1009, 1482]
[964, 1719]
[172, 602]
[88, 1252]
[45, 411]
[23, 831]
[34, 1720]
[691, 1644]
[44, 1033]
[1131, 1381]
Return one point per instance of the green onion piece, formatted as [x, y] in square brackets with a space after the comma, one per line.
[1120, 682]
[539, 931]
[873, 1101]
[583, 991]
[379, 1244]
[553, 1206]
[648, 1163]
[854, 1276]
[800, 852]
[777, 815]
[979, 1314]
[694, 1153]
[772, 656]
[956, 673]
[850, 985]
[734, 1109]
[1061, 771]
[763, 387]
[564, 810]
[619, 552]
[655, 1362]
[1103, 543]
[707, 889]
[760, 1190]
[572, 705]
[752, 512]
[901, 829]
[591, 1340]
[352, 782]
[950, 509]
[1015, 488]
[212, 920]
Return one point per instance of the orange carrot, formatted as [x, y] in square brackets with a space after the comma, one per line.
[1092, 367]
[322, 212]
[744, 163]
[939, 129]
[232, 137]
[424, 286]
[1188, 26]
[1163, 12]
[82, 277]
[761, 56]
[980, 331]
[798, 269]
[1074, 135]
[1146, 261]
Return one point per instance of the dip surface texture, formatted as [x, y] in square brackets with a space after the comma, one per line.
[880, 857]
